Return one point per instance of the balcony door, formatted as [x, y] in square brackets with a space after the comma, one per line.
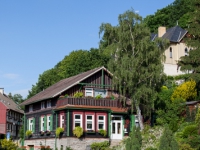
[116, 127]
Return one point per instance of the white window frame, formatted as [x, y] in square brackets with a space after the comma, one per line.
[62, 120]
[42, 123]
[101, 121]
[30, 124]
[89, 120]
[89, 90]
[48, 103]
[78, 120]
[49, 122]
[42, 105]
[30, 108]
[170, 52]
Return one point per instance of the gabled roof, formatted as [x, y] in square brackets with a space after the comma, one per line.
[174, 34]
[9, 103]
[61, 86]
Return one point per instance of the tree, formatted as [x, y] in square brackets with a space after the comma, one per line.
[136, 60]
[8, 144]
[134, 142]
[167, 141]
[187, 91]
[17, 98]
[192, 62]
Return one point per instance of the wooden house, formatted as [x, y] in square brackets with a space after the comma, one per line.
[86, 100]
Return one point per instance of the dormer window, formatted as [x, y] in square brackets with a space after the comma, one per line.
[89, 92]
[42, 105]
[170, 52]
[49, 104]
[30, 108]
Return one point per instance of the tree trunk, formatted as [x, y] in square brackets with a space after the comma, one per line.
[140, 118]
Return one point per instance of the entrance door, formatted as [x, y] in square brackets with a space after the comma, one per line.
[116, 127]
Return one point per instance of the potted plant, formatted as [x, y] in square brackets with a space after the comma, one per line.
[78, 131]
[49, 132]
[103, 132]
[41, 133]
[78, 95]
[59, 132]
[29, 133]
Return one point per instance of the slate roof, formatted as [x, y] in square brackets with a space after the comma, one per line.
[174, 34]
[9, 103]
[62, 86]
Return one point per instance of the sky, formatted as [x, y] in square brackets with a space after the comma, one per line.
[36, 34]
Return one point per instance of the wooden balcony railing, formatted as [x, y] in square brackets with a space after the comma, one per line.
[88, 102]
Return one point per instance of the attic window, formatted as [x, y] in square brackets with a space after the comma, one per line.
[89, 92]
[170, 52]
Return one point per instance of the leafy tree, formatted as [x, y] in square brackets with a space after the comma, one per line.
[8, 144]
[17, 98]
[134, 142]
[136, 61]
[167, 141]
[187, 91]
[192, 61]
[21, 132]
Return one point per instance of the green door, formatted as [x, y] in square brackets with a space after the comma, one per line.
[31, 147]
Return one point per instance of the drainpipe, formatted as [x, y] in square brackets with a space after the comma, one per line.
[24, 130]
[55, 133]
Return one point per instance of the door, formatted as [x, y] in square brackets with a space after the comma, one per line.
[116, 127]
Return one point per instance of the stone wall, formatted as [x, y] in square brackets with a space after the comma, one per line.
[74, 143]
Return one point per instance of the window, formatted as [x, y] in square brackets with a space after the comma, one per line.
[48, 104]
[31, 124]
[101, 92]
[101, 122]
[89, 122]
[30, 108]
[49, 123]
[186, 51]
[88, 92]
[62, 121]
[170, 52]
[42, 105]
[77, 120]
[42, 123]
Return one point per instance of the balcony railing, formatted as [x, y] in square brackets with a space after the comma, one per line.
[88, 102]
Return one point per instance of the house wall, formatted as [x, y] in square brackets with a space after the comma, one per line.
[2, 118]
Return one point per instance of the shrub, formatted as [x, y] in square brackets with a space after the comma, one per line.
[185, 146]
[78, 94]
[68, 148]
[100, 145]
[189, 130]
[8, 144]
[59, 130]
[29, 133]
[98, 97]
[103, 132]
[78, 132]
[151, 148]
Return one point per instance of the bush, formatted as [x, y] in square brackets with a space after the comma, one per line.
[59, 130]
[103, 132]
[8, 144]
[151, 148]
[68, 148]
[189, 130]
[98, 97]
[78, 94]
[78, 132]
[185, 147]
[100, 146]
[29, 133]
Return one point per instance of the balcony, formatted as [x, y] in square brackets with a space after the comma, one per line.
[88, 102]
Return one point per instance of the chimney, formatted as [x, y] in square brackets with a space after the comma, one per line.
[2, 90]
[161, 31]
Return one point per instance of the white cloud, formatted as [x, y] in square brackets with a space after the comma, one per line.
[11, 76]
[137, 11]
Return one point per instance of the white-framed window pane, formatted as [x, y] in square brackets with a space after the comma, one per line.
[77, 124]
[77, 116]
[101, 122]
[77, 120]
[101, 126]
[89, 92]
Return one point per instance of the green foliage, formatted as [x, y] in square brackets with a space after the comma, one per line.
[98, 97]
[100, 146]
[21, 132]
[59, 131]
[184, 146]
[189, 130]
[167, 141]
[17, 98]
[78, 94]
[197, 118]
[194, 141]
[186, 91]
[68, 148]
[8, 144]
[78, 132]
[103, 132]
[29, 133]
[134, 142]
[151, 148]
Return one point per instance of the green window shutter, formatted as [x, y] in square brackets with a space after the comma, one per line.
[40, 123]
[132, 121]
[33, 125]
[51, 123]
[27, 124]
[45, 123]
